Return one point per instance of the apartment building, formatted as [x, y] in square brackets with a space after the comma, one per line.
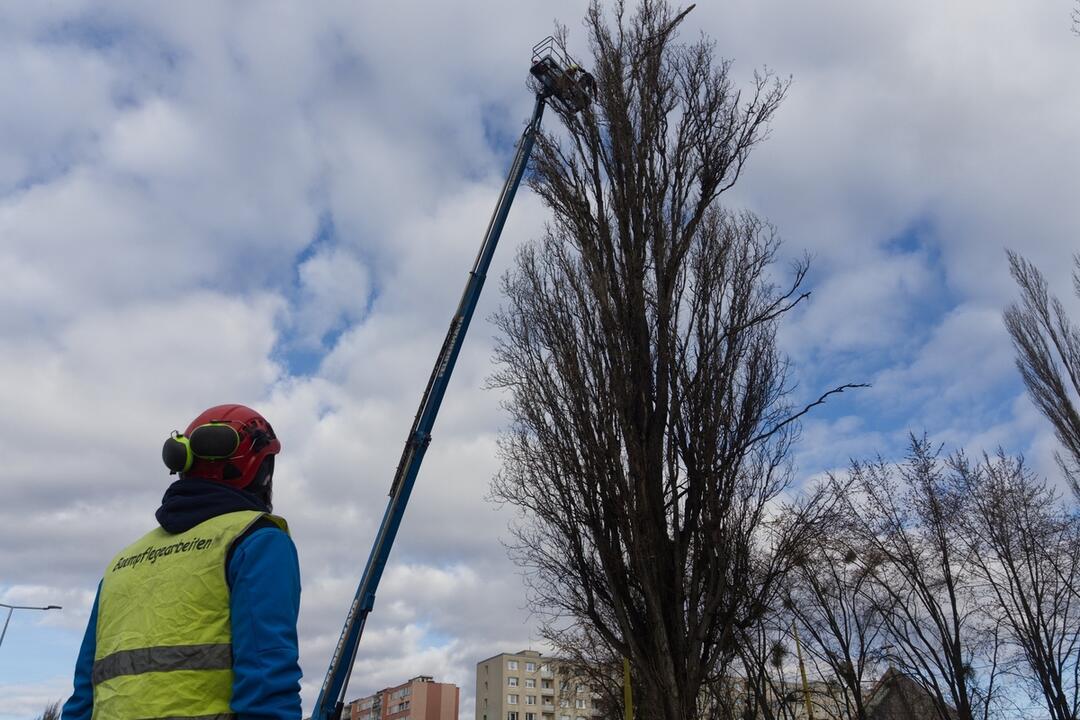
[528, 686]
[421, 698]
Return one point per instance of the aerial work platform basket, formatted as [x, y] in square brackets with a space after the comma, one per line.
[557, 76]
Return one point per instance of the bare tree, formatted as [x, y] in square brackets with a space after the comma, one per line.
[1027, 554]
[840, 621]
[765, 660]
[1048, 355]
[651, 422]
[922, 578]
[585, 657]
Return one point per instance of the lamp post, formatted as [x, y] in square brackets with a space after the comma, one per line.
[13, 608]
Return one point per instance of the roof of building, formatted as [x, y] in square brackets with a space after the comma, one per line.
[895, 692]
[521, 653]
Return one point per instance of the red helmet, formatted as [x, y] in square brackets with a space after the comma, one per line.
[225, 444]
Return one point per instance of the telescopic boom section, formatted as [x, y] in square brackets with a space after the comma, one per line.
[558, 79]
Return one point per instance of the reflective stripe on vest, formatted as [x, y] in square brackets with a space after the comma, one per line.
[163, 659]
[164, 640]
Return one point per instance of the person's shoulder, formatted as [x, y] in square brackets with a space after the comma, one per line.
[264, 523]
[262, 538]
[264, 532]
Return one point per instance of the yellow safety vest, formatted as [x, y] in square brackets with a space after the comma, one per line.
[164, 641]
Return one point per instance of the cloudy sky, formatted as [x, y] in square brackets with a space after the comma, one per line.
[277, 203]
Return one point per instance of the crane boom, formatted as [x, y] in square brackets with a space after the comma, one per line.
[555, 77]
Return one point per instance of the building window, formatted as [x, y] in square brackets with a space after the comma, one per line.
[564, 703]
[546, 684]
[530, 667]
[530, 699]
[581, 702]
[485, 703]
[530, 716]
[530, 682]
[511, 664]
[581, 688]
[511, 681]
[512, 715]
[511, 699]
[564, 717]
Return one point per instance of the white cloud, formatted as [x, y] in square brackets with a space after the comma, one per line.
[865, 308]
[24, 701]
[955, 381]
[334, 288]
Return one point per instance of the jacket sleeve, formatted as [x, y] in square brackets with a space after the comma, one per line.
[80, 706]
[264, 576]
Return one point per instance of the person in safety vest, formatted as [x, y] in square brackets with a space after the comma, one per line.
[197, 619]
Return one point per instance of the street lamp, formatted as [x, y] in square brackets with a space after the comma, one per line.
[13, 608]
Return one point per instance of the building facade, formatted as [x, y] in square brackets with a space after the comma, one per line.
[528, 686]
[421, 698]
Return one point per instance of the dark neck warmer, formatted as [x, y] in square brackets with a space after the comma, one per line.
[190, 501]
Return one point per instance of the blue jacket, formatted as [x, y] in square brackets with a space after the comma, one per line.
[264, 582]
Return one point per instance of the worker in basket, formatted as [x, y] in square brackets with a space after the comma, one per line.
[197, 619]
[576, 87]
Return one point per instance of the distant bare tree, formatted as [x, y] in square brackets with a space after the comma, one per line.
[840, 620]
[921, 576]
[728, 699]
[1048, 355]
[52, 712]
[651, 422]
[1027, 554]
[764, 662]
[586, 658]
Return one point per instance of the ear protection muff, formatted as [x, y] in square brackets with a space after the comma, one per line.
[176, 453]
[212, 441]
